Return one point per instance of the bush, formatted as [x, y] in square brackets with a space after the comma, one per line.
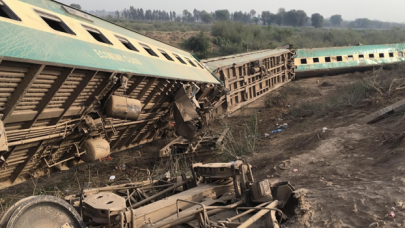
[200, 45]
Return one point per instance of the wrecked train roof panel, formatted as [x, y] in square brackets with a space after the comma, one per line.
[32, 39]
[350, 50]
[215, 63]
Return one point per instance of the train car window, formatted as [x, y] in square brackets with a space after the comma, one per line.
[391, 54]
[192, 64]
[316, 60]
[54, 22]
[96, 34]
[166, 55]
[371, 56]
[361, 56]
[381, 55]
[350, 57]
[303, 61]
[327, 59]
[6, 12]
[199, 64]
[126, 43]
[400, 54]
[149, 50]
[339, 58]
[180, 59]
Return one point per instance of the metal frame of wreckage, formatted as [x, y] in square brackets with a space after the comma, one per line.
[72, 105]
[250, 76]
[68, 106]
[212, 190]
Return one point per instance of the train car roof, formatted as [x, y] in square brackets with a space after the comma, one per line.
[349, 50]
[48, 31]
[215, 63]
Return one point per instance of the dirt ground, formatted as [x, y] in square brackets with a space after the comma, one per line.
[354, 172]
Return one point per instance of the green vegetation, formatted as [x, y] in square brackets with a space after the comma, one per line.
[200, 45]
[147, 26]
[237, 37]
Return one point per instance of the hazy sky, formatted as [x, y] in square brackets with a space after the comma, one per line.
[384, 10]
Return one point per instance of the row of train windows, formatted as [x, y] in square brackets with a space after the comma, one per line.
[57, 24]
[350, 57]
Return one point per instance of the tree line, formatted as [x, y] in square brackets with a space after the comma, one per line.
[294, 18]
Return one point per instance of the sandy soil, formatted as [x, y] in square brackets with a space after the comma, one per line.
[354, 172]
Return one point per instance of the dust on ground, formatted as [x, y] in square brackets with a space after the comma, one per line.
[354, 172]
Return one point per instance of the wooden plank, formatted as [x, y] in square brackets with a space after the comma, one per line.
[146, 88]
[21, 90]
[380, 114]
[135, 84]
[49, 95]
[130, 135]
[32, 151]
[6, 155]
[79, 89]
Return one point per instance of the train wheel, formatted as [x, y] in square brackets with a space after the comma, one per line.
[42, 212]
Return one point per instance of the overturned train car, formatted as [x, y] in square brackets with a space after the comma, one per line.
[337, 60]
[249, 76]
[74, 88]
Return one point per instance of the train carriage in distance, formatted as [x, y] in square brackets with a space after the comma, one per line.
[76, 87]
[336, 60]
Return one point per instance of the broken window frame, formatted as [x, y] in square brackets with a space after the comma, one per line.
[180, 59]
[328, 59]
[149, 50]
[400, 54]
[315, 60]
[9, 12]
[303, 61]
[383, 55]
[361, 56]
[126, 42]
[339, 58]
[167, 56]
[91, 30]
[188, 60]
[350, 58]
[371, 56]
[46, 16]
[391, 55]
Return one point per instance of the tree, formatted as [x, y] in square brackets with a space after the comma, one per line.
[199, 45]
[206, 17]
[253, 13]
[222, 15]
[76, 6]
[302, 18]
[317, 20]
[336, 20]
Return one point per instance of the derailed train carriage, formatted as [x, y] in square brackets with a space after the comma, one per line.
[76, 88]
[337, 60]
[71, 82]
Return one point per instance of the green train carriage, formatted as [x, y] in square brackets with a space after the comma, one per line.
[76, 87]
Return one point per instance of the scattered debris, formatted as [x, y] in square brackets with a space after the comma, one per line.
[295, 170]
[112, 178]
[382, 113]
[392, 214]
[280, 129]
[324, 129]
